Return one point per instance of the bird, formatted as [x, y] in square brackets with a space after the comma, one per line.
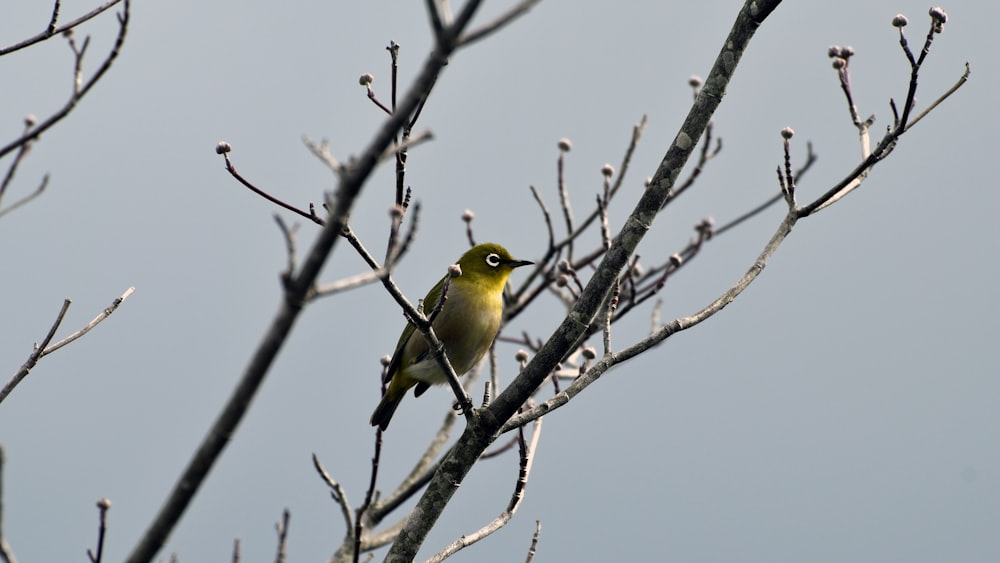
[466, 325]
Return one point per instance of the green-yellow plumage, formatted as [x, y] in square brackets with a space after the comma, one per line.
[466, 326]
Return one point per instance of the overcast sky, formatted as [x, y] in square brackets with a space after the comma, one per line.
[844, 408]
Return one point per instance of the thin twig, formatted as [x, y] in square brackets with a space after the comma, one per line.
[337, 492]
[706, 154]
[810, 160]
[941, 98]
[322, 152]
[311, 214]
[565, 204]
[503, 19]
[36, 354]
[103, 315]
[29, 121]
[288, 233]
[409, 142]
[547, 216]
[369, 495]
[282, 530]
[6, 553]
[51, 30]
[80, 90]
[534, 541]
[38, 191]
[349, 283]
[421, 322]
[885, 147]
[103, 506]
[435, 16]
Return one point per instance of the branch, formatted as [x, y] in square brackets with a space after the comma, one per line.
[80, 88]
[482, 431]
[103, 315]
[421, 473]
[51, 29]
[337, 492]
[527, 456]
[103, 506]
[45, 349]
[422, 321]
[787, 180]
[612, 359]
[38, 191]
[29, 122]
[6, 553]
[370, 493]
[341, 203]
[524, 295]
[901, 124]
[225, 148]
[502, 20]
[282, 529]
[534, 541]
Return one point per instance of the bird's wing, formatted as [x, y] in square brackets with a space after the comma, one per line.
[430, 301]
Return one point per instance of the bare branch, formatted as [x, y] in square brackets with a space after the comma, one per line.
[526, 458]
[378, 103]
[51, 29]
[422, 323]
[901, 122]
[502, 20]
[370, 493]
[6, 553]
[282, 529]
[706, 154]
[38, 191]
[941, 98]
[36, 354]
[482, 430]
[337, 492]
[434, 13]
[637, 131]
[322, 152]
[564, 203]
[288, 233]
[103, 506]
[103, 315]
[29, 122]
[548, 219]
[80, 89]
[810, 160]
[224, 149]
[422, 470]
[43, 349]
[296, 292]
[534, 541]
[658, 335]
[409, 142]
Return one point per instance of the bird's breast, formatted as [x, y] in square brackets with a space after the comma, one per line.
[466, 327]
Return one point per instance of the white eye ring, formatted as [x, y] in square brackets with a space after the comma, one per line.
[492, 260]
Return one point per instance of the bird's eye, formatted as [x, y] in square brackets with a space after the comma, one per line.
[492, 260]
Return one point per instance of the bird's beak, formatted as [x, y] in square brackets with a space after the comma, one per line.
[519, 263]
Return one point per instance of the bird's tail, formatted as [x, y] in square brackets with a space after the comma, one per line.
[387, 406]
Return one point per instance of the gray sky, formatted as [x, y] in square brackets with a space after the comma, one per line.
[844, 408]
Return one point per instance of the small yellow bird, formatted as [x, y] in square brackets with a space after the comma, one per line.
[466, 325]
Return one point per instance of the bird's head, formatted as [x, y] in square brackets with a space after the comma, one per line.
[488, 264]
